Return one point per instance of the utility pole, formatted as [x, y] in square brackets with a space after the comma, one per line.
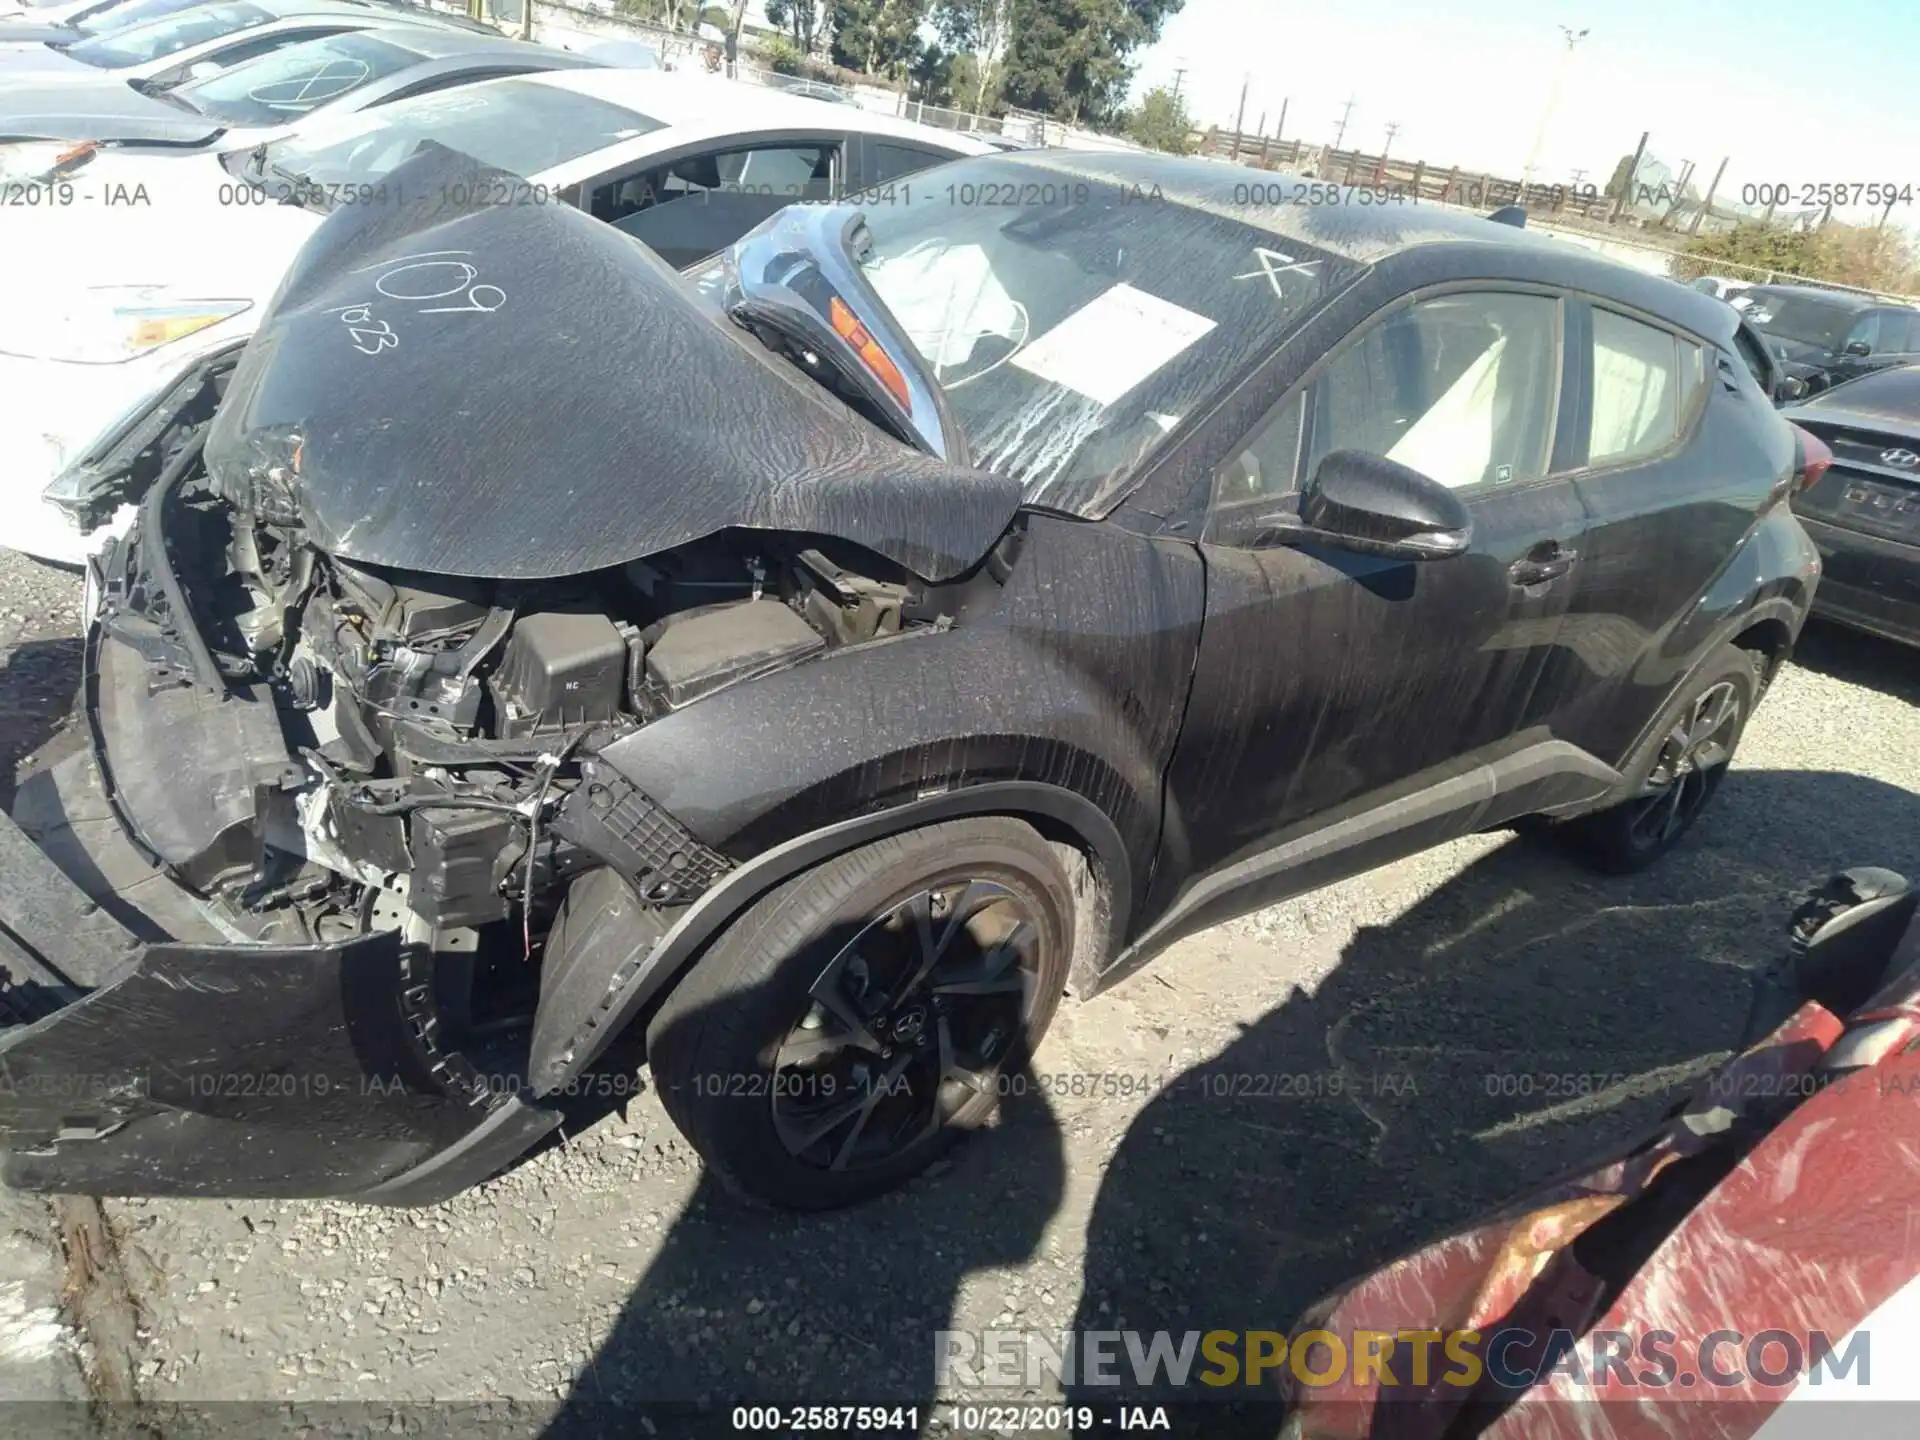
[1179, 74]
[1625, 197]
[1573, 38]
[1679, 193]
[1345, 115]
[1283, 119]
[1707, 204]
[1240, 120]
[1578, 176]
[1393, 129]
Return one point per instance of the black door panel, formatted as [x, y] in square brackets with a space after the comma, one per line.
[1329, 680]
[1665, 525]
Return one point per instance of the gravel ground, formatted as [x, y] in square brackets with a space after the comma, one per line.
[1453, 1002]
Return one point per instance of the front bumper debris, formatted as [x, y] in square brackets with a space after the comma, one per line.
[185, 1068]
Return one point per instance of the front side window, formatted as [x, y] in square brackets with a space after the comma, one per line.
[138, 44]
[1637, 380]
[1461, 388]
[1866, 331]
[779, 174]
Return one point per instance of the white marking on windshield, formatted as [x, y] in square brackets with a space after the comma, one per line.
[1273, 265]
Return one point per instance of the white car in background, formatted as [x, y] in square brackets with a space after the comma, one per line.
[204, 40]
[122, 318]
[63, 22]
[258, 100]
[1722, 287]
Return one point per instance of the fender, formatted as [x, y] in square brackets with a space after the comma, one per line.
[1771, 609]
[643, 975]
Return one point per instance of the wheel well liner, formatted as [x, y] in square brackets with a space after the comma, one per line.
[1059, 814]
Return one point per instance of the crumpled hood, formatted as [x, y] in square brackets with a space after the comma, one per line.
[102, 109]
[517, 391]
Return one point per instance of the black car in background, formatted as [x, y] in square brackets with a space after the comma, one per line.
[1864, 512]
[1828, 337]
[818, 666]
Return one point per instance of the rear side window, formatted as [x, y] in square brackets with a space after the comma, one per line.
[887, 160]
[1637, 382]
[1896, 332]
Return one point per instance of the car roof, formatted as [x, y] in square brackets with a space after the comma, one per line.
[433, 42]
[1348, 222]
[691, 105]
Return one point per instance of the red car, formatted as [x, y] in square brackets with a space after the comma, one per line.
[1759, 1251]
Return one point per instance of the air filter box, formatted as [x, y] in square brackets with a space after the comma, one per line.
[559, 669]
[699, 654]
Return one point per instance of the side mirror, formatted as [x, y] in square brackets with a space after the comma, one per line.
[1376, 506]
[1858, 347]
[1792, 387]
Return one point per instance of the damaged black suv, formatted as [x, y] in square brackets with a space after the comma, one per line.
[814, 666]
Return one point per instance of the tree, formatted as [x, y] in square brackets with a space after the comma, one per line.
[1860, 255]
[1162, 123]
[931, 76]
[980, 29]
[1618, 181]
[1070, 57]
[801, 18]
[877, 36]
[973, 88]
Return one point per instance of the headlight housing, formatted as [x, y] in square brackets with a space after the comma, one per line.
[109, 325]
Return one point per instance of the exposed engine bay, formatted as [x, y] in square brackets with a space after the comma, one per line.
[323, 749]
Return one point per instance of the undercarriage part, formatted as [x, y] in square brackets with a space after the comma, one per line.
[189, 768]
[609, 817]
[602, 927]
[559, 670]
[701, 653]
[461, 859]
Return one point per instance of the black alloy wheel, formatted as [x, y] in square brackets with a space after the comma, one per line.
[858, 1018]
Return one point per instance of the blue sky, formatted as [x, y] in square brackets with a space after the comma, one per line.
[1792, 92]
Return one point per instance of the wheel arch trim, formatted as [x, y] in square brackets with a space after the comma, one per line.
[646, 978]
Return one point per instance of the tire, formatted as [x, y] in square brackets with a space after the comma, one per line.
[1631, 834]
[752, 1052]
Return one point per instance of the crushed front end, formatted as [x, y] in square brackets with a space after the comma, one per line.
[340, 829]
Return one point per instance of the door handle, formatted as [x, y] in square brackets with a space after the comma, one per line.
[1544, 562]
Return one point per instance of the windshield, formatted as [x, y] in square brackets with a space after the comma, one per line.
[1804, 319]
[141, 43]
[1072, 334]
[121, 17]
[519, 126]
[1893, 392]
[276, 87]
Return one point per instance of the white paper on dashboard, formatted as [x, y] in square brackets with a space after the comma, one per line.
[1112, 343]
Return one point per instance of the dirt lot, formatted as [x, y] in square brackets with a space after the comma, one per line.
[1486, 1014]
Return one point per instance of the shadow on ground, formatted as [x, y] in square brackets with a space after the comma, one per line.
[1507, 1028]
[1515, 1022]
[38, 682]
